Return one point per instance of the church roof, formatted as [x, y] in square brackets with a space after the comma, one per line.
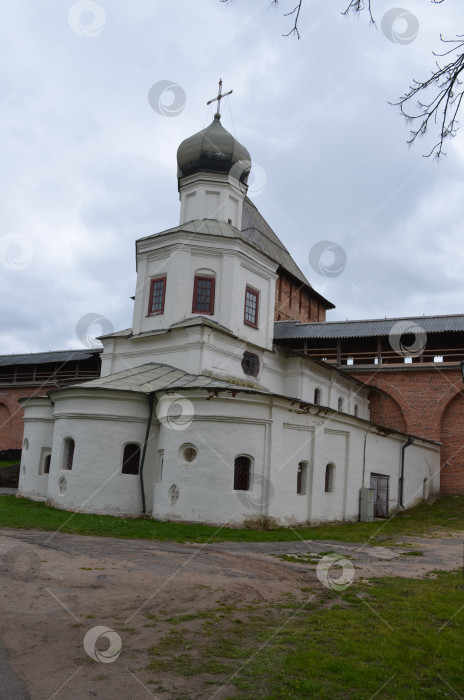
[154, 376]
[210, 227]
[255, 231]
[288, 330]
[258, 232]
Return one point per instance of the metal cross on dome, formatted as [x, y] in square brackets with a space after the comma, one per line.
[219, 98]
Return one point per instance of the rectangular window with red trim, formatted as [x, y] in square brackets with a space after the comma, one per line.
[157, 296]
[203, 295]
[251, 307]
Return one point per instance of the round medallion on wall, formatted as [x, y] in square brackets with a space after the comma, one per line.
[173, 495]
[62, 484]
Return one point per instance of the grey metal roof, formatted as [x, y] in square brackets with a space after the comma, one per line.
[209, 227]
[40, 358]
[364, 329]
[256, 229]
[154, 376]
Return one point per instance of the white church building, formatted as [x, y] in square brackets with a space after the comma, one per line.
[198, 414]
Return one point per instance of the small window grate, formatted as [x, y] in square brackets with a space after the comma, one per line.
[242, 469]
[190, 454]
[329, 476]
[250, 364]
[131, 459]
[301, 479]
[68, 456]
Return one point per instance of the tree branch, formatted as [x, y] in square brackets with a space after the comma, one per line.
[445, 83]
[444, 105]
[359, 6]
[296, 10]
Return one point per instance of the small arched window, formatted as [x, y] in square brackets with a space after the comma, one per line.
[317, 397]
[329, 478]
[47, 460]
[356, 410]
[242, 473]
[203, 295]
[425, 489]
[340, 403]
[131, 459]
[301, 478]
[68, 454]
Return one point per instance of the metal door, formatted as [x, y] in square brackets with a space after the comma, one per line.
[380, 485]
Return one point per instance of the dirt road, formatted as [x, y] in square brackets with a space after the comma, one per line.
[56, 589]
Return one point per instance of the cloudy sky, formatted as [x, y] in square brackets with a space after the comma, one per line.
[88, 162]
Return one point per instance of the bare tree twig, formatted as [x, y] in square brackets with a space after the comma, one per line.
[444, 86]
[443, 106]
[359, 6]
[296, 10]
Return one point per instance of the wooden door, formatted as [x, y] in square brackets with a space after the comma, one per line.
[380, 485]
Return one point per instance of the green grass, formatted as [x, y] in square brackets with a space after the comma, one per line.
[10, 463]
[445, 515]
[389, 638]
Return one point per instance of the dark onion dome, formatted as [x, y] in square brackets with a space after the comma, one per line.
[213, 150]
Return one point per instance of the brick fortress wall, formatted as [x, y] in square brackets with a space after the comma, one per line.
[427, 402]
[11, 417]
[20, 381]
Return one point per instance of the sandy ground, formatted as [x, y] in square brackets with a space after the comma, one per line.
[56, 588]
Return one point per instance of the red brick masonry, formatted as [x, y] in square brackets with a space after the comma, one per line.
[11, 416]
[427, 402]
[296, 302]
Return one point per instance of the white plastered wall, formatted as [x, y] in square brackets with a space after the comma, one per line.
[211, 196]
[179, 256]
[38, 431]
[101, 424]
[200, 349]
[277, 436]
[275, 433]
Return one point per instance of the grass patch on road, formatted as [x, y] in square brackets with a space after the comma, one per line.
[443, 516]
[390, 638]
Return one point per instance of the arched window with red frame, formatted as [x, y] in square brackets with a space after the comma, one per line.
[157, 296]
[203, 295]
[250, 314]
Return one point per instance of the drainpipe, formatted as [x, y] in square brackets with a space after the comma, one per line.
[151, 405]
[364, 455]
[406, 444]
